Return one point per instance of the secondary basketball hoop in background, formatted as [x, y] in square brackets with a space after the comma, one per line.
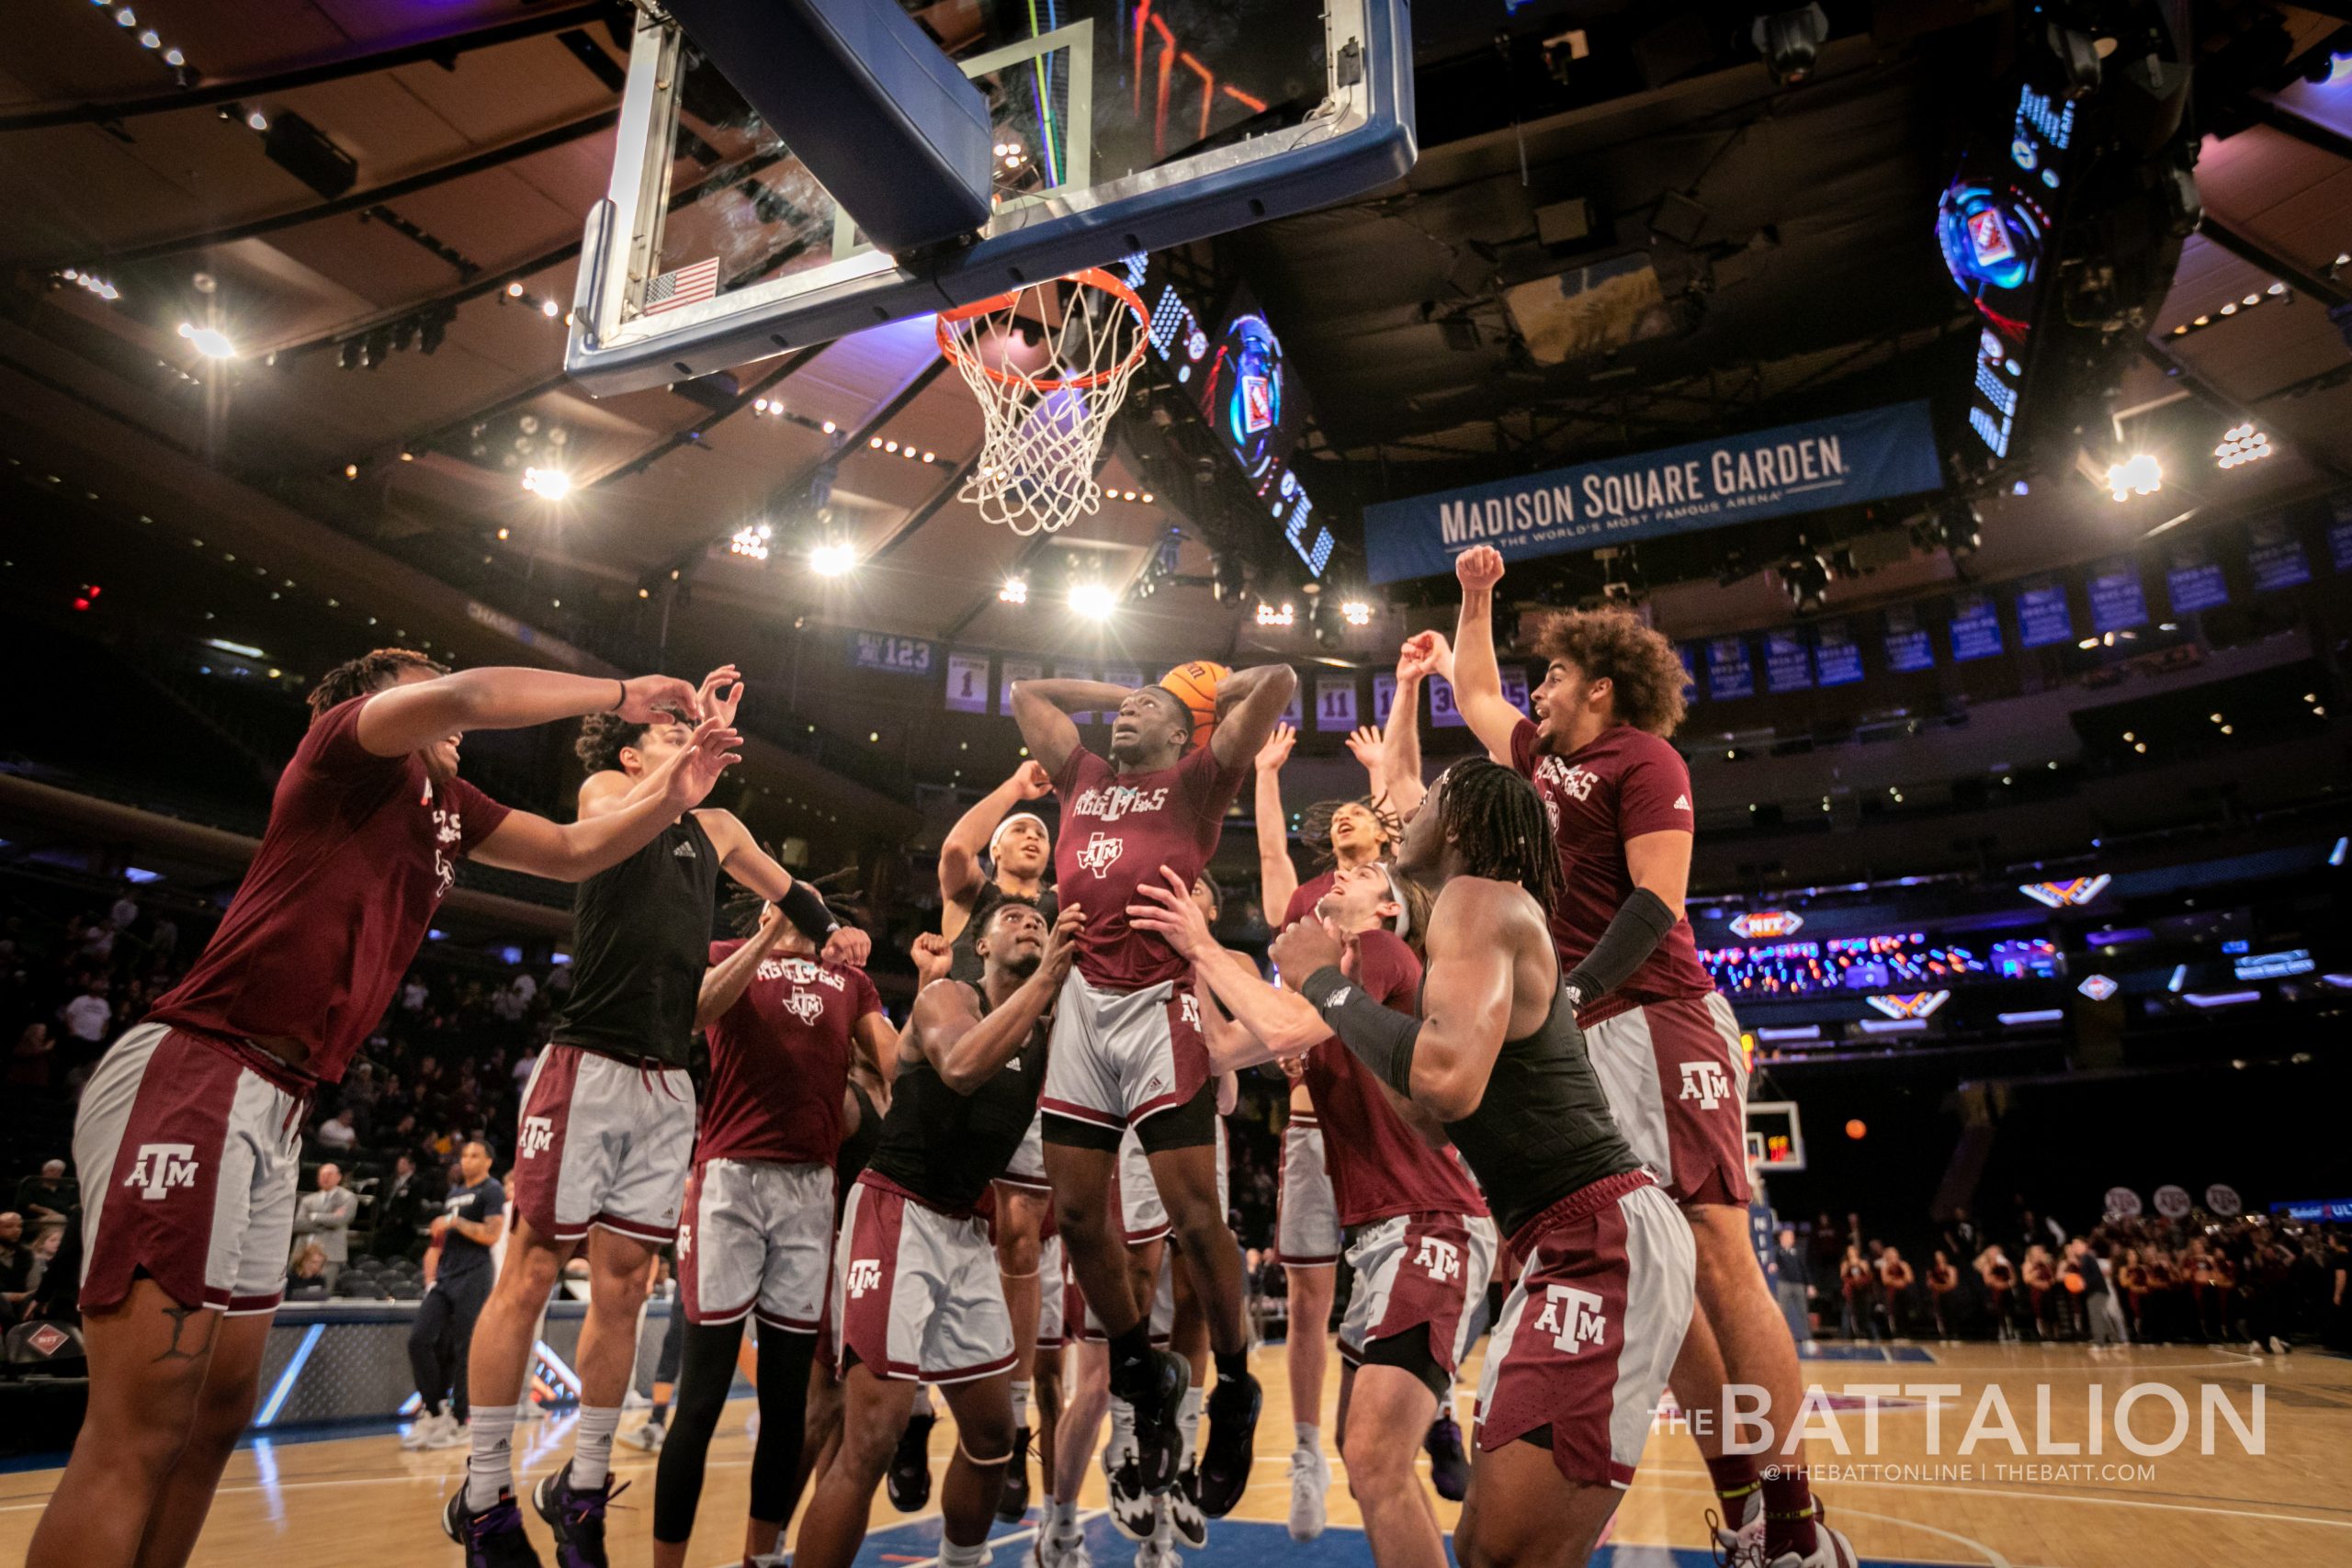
[1050, 364]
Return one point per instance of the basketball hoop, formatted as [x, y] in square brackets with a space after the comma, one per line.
[1049, 363]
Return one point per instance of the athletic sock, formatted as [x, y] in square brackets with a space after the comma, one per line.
[1307, 1435]
[489, 1462]
[954, 1556]
[591, 1453]
[1734, 1479]
[1123, 1430]
[1232, 1364]
[1188, 1421]
[1788, 1512]
[1131, 1361]
[1021, 1405]
[1063, 1511]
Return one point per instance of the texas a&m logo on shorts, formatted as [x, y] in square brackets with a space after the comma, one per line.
[864, 1274]
[161, 1166]
[1706, 1083]
[1572, 1317]
[1101, 852]
[686, 1240]
[538, 1136]
[1441, 1257]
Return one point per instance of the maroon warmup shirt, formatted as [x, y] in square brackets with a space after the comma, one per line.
[1117, 832]
[779, 1058]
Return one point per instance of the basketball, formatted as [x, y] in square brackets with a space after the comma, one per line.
[1196, 683]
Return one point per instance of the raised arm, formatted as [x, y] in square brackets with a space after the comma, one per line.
[724, 983]
[1370, 748]
[575, 852]
[610, 789]
[1277, 878]
[1422, 656]
[1042, 709]
[1258, 697]
[1477, 679]
[401, 719]
[959, 855]
[878, 1038]
[965, 1047]
[741, 858]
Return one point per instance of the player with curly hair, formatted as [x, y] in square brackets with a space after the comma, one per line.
[1664, 1042]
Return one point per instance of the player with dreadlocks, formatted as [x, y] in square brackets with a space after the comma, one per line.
[1585, 1339]
[1664, 1042]
[756, 1236]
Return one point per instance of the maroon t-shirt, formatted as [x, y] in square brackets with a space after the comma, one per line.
[1379, 1165]
[1307, 895]
[1117, 832]
[1624, 783]
[359, 852]
[779, 1060]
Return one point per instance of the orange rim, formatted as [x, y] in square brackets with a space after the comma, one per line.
[1091, 278]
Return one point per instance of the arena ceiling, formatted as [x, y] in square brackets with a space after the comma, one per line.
[1788, 225]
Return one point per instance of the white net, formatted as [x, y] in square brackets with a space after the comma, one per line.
[1049, 364]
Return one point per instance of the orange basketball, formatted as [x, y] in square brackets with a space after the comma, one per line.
[1195, 684]
[1855, 1129]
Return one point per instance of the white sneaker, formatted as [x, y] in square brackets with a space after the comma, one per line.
[1830, 1549]
[2254, 1346]
[421, 1430]
[1054, 1549]
[2277, 1346]
[1310, 1478]
[648, 1437]
[454, 1434]
[633, 1400]
[1743, 1547]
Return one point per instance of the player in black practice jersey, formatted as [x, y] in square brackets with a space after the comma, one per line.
[1591, 1331]
[916, 1295]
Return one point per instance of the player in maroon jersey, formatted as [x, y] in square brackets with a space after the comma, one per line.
[755, 1236]
[1423, 1246]
[188, 1137]
[1664, 1042]
[1126, 1035]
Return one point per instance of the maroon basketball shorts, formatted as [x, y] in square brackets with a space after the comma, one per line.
[916, 1292]
[1584, 1344]
[1423, 1271]
[188, 1159]
[757, 1237]
[603, 1142]
[1677, 1083]
[1307, 1213]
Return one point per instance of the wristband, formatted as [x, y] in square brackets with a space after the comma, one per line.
[803, 906]
[1382, 1038]
[622, 701]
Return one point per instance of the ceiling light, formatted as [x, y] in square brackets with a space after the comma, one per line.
[830, 427]
[150, 39]
[2276, 288]
[1092, 600]
[1283, 614]
[2139, 474]
[1355, 611]
[257, 119]
[2242, 444]
[547, 484]
[832, 560]
[209, 341]
[514, 291]
[1014, 592]
[548, 309]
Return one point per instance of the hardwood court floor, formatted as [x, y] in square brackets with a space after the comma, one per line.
[361, 1500]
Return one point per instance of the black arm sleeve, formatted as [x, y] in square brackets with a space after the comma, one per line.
[806, 909]
[1640, 924]
[1382, 1038]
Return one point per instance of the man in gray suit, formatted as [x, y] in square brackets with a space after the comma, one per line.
[325, 1217]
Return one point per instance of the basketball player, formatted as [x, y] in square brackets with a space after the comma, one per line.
[1131, 1047]
[186, 1135]
[915, 1292]
[1664, 1043]
[756, 1238]
[1019, 849]
[607, 1125]
[1590, 1330]
[1306, 1227]
[458, 1272]
[1423, 1246]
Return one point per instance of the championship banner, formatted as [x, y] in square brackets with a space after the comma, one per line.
[1443, 714]
[1335, 703]
[1788, 663]
[1010, 671]
[2195, 583]
[1976, 628]
[2043, 617]
[1515, 688]
[1837, 658]
[2276, 555]
[2117, 603]
[1728, 676]
[894, 655]
[967, 683]
[1908, 649]
[1384, 697]
[1780, 472]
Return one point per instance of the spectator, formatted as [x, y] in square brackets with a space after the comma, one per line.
[413, 994]
[125, 913]
[16, 1267]
[2105, 1317]
[400, 1209]
[2000, 1277]
[1895, 1279]
[309, 1279]
[51, 1195]
[1857, 1282]
[336, 1133]
[34, 1061]
[90, 1016]
[323, 1218]
[1790, 1280]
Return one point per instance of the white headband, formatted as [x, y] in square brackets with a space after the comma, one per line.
[1018, 816]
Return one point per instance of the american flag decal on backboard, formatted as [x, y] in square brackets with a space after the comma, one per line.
[687, 286]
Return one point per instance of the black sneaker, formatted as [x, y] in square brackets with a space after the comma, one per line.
[1160, 1441]
[909, 1480]
[1449, 1466]
[491, 1538]
[1012, 1503]
[576, 1516]
[1225, 1455]
[1184, 1511]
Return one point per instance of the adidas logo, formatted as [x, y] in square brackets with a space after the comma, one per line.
[686, 852]
[1682, 802]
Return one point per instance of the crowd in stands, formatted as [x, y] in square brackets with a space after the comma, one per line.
[2203, 1279]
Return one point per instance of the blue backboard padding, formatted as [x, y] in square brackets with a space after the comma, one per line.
[867, 101]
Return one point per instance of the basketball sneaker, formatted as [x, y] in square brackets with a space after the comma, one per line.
[452, 1434]
[422, 1430]
[908, 1479]
[1310, 1478]
[1182, 1511]
[1013, 1501]
[1159, 1549]
[1233, 1407]
[1159, 1437]
[1053, 1549]
[1830, 1549]
[649, 1435]
[1449, 1466]
[491, 1538]
[1133, 1510]
[576, 1516]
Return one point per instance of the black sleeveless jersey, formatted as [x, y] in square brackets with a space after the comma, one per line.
[640, 941]
[946, 1147]
[857, 1149]
[964, 962]
[1542, 1128]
